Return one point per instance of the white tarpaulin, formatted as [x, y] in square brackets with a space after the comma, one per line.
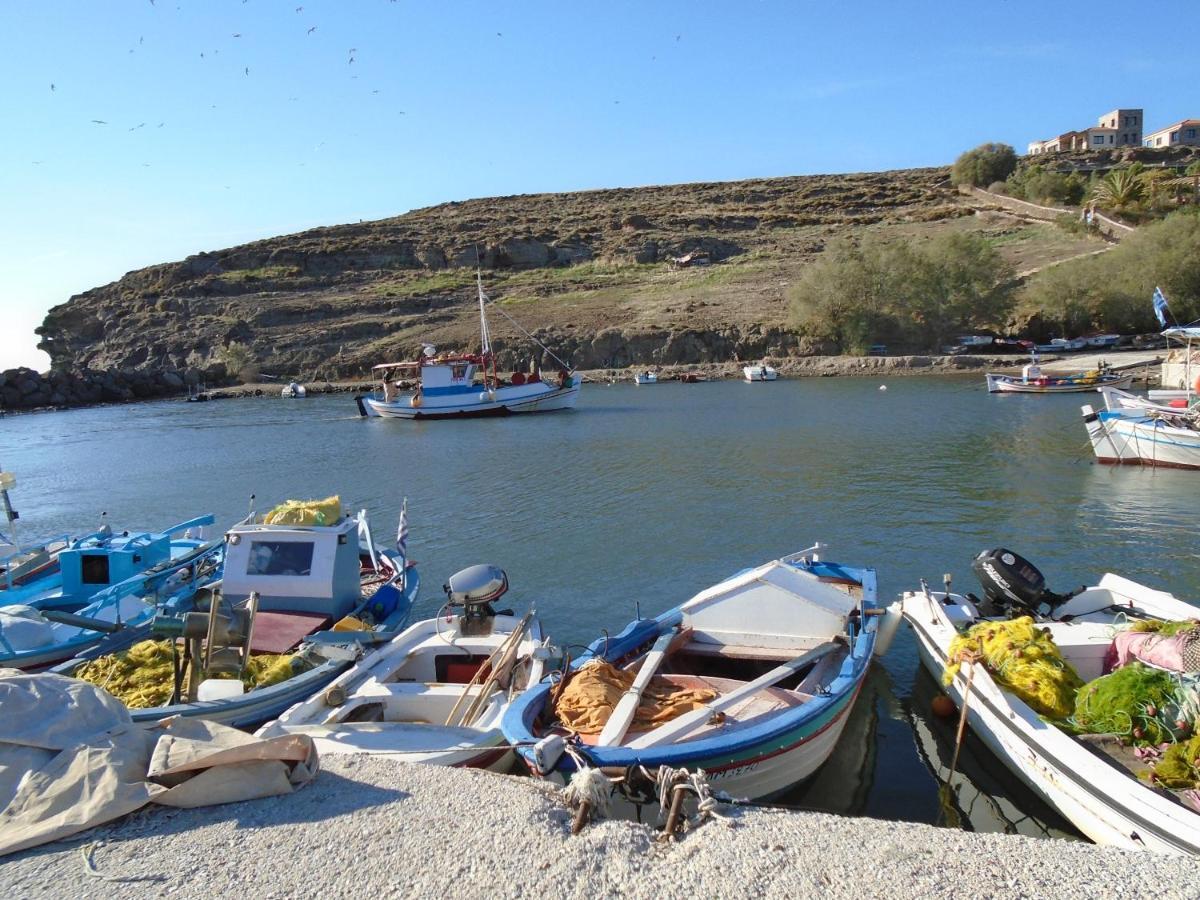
[70, 759]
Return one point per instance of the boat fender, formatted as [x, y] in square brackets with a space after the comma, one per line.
[415, 402]
[547, 752]
[491, 395]
[483, 396]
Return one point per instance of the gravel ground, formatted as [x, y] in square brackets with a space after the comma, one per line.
[376, 827]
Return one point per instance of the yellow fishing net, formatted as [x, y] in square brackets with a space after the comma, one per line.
[1023, 659]
[306, 512]
[143, 676]
[594, 690]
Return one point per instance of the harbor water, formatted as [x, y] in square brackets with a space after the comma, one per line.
[644, 495]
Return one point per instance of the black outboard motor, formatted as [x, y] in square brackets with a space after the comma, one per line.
[1013, 585]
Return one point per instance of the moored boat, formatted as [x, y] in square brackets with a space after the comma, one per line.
[1034, 381]
[1145, 436]
[294, 390]
[435, 694]
[113, 618]
[645, 378]
[1090, 778]
[467, 385]
[303, 590]
[751, 680]
[761, 372]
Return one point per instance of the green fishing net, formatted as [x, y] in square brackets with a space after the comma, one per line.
[1135, 702]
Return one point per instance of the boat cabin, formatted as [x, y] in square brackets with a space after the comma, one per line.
[298, 568]
[92, 565]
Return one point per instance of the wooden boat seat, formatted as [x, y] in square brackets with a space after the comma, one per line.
[747, 651]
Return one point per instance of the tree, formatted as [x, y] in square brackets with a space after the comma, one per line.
[983, 165]
[239, 361]
[1120, 189]
[918, 293]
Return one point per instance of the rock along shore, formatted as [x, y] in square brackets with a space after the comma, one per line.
[371, 826]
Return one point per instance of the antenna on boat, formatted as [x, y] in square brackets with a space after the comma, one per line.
[250, 510]
[483, 325]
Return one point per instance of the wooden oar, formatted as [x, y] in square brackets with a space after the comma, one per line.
[488, 666]
[623, 713]
[680, 726]
[505, 665]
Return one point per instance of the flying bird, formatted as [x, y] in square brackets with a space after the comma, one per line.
[311, 30]
[247, 70]
[238, 35]
[678, 36]
[299, 9]
[350, 61]
[352, 50]
[160, 124]
[99, 122]
[136, 127]
[52, 85]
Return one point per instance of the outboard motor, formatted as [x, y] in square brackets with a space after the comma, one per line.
[1013, 585]
[475, 589]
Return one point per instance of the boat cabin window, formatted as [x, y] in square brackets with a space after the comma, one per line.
[280, 558]
[95, 568]
[459, 371]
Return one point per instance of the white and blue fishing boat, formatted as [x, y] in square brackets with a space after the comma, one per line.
[114, 618]
[312, 596]
[769, 664]
[468, 385]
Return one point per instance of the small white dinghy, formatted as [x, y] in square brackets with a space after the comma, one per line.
[761, 372]
[645, 378]
[1090, 779]
[435, 693]
[294, 390]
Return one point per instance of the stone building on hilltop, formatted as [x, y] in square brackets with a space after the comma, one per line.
[1117, 128]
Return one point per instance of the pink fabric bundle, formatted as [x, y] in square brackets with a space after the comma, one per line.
[1150, 648]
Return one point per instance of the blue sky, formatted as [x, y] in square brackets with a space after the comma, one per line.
[227, 121]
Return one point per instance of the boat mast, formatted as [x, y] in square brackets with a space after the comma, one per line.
[485, 334]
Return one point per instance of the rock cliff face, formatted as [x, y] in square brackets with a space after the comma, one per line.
[589, 273]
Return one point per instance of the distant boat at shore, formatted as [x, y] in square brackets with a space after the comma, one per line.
[761, 372]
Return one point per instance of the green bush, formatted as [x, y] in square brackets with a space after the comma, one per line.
[1112, 291]
[983, 165]
[920, 294]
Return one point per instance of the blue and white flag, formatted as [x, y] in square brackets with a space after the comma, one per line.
[402, 530]
[1160, 307]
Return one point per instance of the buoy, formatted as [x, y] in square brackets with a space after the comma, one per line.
[883, 387]
[942, 706]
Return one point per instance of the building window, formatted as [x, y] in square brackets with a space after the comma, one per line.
[1174, 137]
[1191, 132]
[1098, 139]
[1110, 138]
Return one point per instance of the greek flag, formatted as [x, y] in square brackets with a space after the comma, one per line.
[1160, 307]
[402, 530]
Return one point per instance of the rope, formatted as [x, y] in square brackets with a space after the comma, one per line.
[517, 325]
[707, 808]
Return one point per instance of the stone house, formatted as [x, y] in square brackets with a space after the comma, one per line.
[1184, 133]
[1116, 128]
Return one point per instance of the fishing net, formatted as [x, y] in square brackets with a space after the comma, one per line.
[306, 512]
[144, 676]
[1179, 767]
[1136, 702]
[594, 690]
[1023, 659]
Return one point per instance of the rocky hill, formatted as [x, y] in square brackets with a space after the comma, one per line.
[590, 273]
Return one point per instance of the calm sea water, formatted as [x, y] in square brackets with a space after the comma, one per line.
[645, 495]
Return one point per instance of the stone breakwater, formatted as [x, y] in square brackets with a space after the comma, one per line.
[25, 389]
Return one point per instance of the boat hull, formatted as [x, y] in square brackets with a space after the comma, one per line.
[1008, 384]
[1119, 438]
[759, 373]
[1110, 808]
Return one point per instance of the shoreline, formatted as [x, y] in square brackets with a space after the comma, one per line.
[788, 367]
[373, 825]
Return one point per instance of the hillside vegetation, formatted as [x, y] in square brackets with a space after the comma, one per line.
[588, 272]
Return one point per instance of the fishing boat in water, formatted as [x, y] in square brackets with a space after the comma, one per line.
[761, 372]
[1150, 435]
[646, 378]
[468, 385]
[1088, 775]
[751, 680]
[435, 694]
[304, 590]
[1035, 381]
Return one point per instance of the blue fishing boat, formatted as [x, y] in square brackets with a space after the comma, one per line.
[114, 617]
[68, 573]
[304, 592]
[751, 680]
